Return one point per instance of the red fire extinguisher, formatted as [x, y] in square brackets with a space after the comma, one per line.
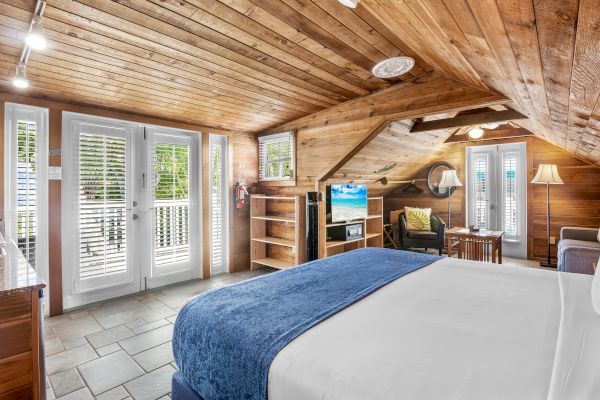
[241, 195]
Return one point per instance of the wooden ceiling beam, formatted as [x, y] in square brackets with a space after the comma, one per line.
[459, 121]
[495, 134]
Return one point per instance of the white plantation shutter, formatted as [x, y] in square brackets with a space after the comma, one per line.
[217, 204]
[25, 178]
[102, 203]
[171, 195]
[481, 190]
[276, 156]
[510, 195]
[27, 193]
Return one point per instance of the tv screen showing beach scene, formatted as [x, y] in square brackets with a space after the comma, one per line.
[348, 202]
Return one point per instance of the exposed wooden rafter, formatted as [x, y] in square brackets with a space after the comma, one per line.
[485, 117]
[496, 134]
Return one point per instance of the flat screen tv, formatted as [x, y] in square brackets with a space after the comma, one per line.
[348, 202]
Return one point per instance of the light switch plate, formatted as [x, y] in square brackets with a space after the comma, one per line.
[54, 173]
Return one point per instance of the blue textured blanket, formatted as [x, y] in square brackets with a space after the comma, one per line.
[225, 339]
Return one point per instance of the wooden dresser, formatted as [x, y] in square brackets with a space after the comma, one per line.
[22, 372]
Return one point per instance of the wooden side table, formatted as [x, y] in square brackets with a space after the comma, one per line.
[483, 245]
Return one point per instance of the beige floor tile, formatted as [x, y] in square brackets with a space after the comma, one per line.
[111, 348]
[109, 371]
[148, 327]
[118, 393]
[69, 359]
[109, 336]
[71, 343]
[147, 340]
[156, 314]
[53, 346]
[69, 329]
[81, 394]
[155, 357]
[151, 386]
[66, 381]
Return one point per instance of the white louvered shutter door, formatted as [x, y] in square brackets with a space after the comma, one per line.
[102, 203]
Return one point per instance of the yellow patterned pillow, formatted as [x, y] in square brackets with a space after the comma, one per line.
[418, 219]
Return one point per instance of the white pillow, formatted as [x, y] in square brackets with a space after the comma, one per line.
[596, 289]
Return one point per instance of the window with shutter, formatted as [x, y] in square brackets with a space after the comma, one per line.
[25, 177]
[481, 190]
[27, 227]
[171, 164]
[102, 205]
[276, 156]
[217, 204]
[510, 195]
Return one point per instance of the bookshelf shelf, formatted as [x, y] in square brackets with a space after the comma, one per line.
[277, 231]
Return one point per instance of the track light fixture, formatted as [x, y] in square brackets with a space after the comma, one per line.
[35, 38]
[20, 79]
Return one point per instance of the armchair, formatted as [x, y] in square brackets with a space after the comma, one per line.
[578, 250]
[433, 239]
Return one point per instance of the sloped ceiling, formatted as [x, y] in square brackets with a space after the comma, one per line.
[256, 64]
[542, 54]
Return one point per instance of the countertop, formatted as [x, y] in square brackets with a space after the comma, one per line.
[16, 275]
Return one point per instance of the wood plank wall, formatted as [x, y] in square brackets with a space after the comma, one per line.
[576, 203]
[325, 137]
[243, 167]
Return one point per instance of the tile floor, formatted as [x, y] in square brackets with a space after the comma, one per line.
[121, 349]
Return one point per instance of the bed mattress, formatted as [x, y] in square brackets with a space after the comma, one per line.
[453, 330]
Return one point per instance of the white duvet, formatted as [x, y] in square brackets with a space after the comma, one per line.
[453, 330]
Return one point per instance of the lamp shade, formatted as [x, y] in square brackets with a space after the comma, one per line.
[450, 179]
[547, 173]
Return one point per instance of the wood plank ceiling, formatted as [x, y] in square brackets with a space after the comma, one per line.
[254, 64]
[543, 54]
[235, 64]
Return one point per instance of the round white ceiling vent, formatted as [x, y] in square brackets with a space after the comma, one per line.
[393, 67]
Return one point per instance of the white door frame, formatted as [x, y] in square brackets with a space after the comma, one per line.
[139, 260]
[512, 247]
[75, 291]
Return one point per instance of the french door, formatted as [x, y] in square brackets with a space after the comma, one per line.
[497, 193]
[130, 208]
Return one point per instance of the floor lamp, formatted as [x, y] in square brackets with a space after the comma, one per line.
[449, 180]
[548, 174]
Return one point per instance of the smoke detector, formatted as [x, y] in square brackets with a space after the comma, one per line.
[393, 67]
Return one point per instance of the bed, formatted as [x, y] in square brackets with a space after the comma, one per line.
[441, 329]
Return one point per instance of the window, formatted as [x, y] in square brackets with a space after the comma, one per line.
[26, 158]
[510, 195]
[171, 164]
[276, 156]
[218, 205]
[480, 190]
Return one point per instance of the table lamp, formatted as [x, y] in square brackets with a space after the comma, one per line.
[548, 174]
[449, 180]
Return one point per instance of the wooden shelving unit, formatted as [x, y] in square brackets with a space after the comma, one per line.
[374, 222]
[372, 229]
[277, 233]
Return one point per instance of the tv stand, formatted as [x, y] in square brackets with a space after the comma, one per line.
[372, 228]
